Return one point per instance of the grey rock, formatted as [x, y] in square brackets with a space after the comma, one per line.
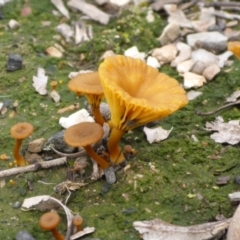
[17, 205]
[105, 188]
[24, 235]
[170, 33]
[205, 37]
[110, 175]
[57, 141]
[223, 180]
[237, 180]
[7, 103]
[14, 62]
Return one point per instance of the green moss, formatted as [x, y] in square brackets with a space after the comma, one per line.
[182, 188]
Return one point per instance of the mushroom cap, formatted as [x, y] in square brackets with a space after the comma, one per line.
[83, 134]
[49, 221]
[235, 48]
[77, 220]
[137, 93]
[86, 83]
[21, 130]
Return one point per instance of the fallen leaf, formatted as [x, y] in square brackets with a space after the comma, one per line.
[225, 132]
[40, 82]
[156, 134]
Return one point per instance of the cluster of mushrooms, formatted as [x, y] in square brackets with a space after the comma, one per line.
[136, 94]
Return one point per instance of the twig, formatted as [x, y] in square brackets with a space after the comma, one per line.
[185, 6]
[218, 109]
[158, 5]
[71, 155]
[33, 167]
[222, 4]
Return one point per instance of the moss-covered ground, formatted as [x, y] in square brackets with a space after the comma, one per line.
[183, 188]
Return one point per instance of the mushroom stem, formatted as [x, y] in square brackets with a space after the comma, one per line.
[102, 162]
[115, 151]
[20, 160]
[97, 115]
[78, 221]
[57, 235]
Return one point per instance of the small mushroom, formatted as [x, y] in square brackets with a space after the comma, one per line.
[49, 222]
[89, 85]
[19, 132]
[77, 222]
[84, 135]
[53, 85]
[235, 48]
[136, 94]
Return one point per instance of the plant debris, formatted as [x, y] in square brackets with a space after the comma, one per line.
[159, 230]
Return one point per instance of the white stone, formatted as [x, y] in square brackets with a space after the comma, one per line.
[191, 95]
[55, 96]
[13, 24]
[211, 71]
[192, 80]
[119, 3]
[170, 33]
[185, 66]
[165, 54]
[223, 58]
[204, 56]
[75, 118]
[134, 53]
[206, 20]
[153, 62]
[66, 31]
[198, 67]
[205, 37]
[184, 54]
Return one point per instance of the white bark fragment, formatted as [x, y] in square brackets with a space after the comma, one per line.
[90, 10]
[156, 134]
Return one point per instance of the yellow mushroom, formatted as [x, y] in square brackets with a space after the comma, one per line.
[89, 85]
[84, 135]
[20, 131]
[235, 48]
[136, 94]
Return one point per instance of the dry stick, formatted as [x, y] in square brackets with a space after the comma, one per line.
[158, 5]
[218, 109]
[81, 153]
[33, 167]
[222, 4]
[185, 6]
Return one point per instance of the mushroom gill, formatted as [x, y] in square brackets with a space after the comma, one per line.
[89, 85]
[136, 94]
[234, 47]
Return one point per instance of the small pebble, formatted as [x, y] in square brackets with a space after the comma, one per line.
[110, 175]
[14, 62]
[105, 188]
[24, 235]
[237, 180]
[17, 205]
[128, 211]
[57, 141]
[223, 180]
